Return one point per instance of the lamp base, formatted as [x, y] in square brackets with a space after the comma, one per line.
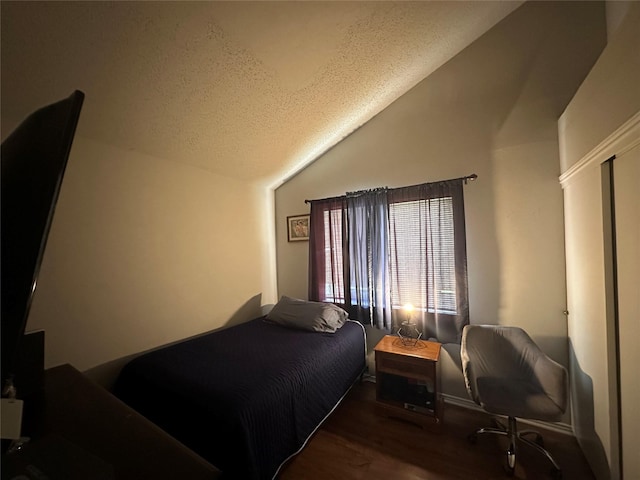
[409, 334]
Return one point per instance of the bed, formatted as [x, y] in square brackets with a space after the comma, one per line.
[246, 398]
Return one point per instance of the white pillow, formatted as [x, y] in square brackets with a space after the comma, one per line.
[307, 315]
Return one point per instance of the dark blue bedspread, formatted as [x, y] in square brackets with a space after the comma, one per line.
[245, 398]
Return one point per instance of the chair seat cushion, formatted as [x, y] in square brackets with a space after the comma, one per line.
[516, 398]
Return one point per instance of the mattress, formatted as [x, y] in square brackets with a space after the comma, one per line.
[248, 397]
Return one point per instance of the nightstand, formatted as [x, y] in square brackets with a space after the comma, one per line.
[407, 383]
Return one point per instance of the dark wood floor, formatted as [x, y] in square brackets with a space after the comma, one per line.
[356, 443]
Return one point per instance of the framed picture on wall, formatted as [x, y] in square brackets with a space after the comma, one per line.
[298, 228]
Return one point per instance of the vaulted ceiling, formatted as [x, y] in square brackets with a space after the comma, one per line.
[250, 90]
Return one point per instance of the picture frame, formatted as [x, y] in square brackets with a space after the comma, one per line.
[298, 228]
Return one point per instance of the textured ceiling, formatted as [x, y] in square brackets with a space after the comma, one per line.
[251, 90]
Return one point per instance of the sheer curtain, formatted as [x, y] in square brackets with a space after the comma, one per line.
[373, 252]
[368, 244]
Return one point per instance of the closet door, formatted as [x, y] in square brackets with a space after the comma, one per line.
[626, 173]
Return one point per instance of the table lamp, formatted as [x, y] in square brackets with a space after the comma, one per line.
[408, 331]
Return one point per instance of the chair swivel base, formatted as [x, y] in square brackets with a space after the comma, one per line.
[511, 432]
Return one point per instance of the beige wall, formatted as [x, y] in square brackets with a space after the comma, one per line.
[608, 97]
[143, 252]
[492, 110]
[594, 127]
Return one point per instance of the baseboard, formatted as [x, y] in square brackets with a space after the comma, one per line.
[558, 427]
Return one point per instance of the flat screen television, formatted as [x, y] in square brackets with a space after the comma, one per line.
[34, 158]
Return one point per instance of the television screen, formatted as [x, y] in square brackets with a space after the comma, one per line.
[34, 158]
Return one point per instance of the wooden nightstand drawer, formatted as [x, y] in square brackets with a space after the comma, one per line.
[402, 365]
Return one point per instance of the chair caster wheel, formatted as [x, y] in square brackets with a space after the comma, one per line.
[510, 466]
[556, 474]
[509, 471]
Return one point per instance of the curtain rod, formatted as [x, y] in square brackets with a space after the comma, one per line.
[465, 179]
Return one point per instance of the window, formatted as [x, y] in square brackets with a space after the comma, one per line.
[428, 286]
[423, 259]
[334, 283]
[406, 245]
